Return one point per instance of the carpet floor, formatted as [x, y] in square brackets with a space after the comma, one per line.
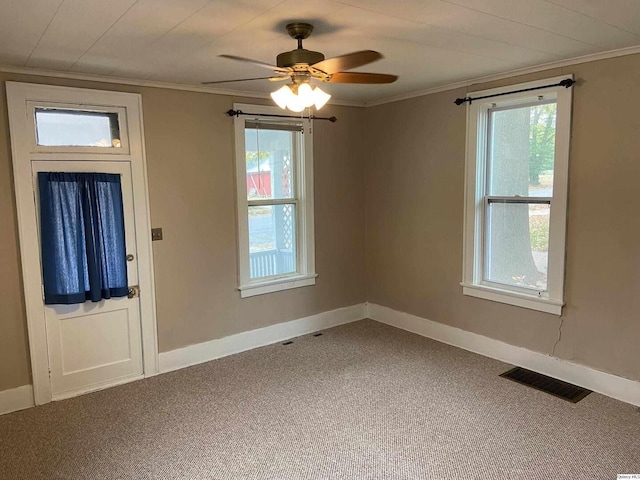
[362, 401]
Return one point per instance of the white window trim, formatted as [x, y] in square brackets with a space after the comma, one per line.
[475, 184]
[305, 246]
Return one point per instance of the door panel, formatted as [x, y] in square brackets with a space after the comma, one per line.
[98, 345]
[98, 339]
[95, 344]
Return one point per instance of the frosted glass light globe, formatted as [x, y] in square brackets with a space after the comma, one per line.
[282, 96]
[320, 98]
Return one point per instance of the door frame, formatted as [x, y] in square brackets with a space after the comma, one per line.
[20, 98]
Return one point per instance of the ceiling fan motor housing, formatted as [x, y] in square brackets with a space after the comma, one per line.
[299, 31]
[298, 56]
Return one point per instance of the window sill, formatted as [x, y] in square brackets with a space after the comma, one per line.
[512, 298]
[276, 285]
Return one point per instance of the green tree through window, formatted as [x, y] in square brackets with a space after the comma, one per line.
[541, 141]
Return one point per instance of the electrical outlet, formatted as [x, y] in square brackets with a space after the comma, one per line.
[156, 234]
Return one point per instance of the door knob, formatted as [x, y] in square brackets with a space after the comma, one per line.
[134, 292]
[130, 258]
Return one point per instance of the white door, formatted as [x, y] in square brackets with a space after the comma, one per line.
[87, 346]
[91, 345]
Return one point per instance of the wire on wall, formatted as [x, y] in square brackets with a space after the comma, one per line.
[553, 352]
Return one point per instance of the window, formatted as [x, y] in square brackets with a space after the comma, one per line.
[274, 168]
[516, 196]
[58, 127]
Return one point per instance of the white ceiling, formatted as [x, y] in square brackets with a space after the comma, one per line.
[428, 43]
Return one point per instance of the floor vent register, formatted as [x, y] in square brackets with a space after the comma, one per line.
[552, 386]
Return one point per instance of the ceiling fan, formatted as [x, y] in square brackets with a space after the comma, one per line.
[302, 65]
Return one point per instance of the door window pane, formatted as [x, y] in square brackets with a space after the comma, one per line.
[272, 240]
[270, 165]
[75, 128]
[521, 151]
[518, 244]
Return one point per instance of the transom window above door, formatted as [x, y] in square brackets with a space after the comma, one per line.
[65, 128]
[76, 128]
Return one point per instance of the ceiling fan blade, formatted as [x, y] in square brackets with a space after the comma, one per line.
[347, 61]
[356, 77]
[256, 62]
[243, 80]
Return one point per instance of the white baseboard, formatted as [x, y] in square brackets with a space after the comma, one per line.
[22, 397]
[16, 399]
[605, 383]
[240, 342]
[611, 385]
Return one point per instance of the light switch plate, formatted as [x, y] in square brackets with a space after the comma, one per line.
[156, 234]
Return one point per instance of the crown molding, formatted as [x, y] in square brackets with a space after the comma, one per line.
[511, 73]
[150, 83]
[126, 81]
[344, 103]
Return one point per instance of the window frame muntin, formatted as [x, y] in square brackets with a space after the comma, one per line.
[303, 199]
[476, 185]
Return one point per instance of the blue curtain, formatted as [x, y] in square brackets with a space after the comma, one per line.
[82, 235]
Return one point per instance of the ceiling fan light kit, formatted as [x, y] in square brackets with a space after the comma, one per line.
[302, 65]
[297, 97]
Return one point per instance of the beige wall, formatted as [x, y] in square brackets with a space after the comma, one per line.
[415, 220]
[403, 165]
[189, 144]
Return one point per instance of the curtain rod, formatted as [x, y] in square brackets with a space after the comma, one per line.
[566, 83]
[237, 113]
